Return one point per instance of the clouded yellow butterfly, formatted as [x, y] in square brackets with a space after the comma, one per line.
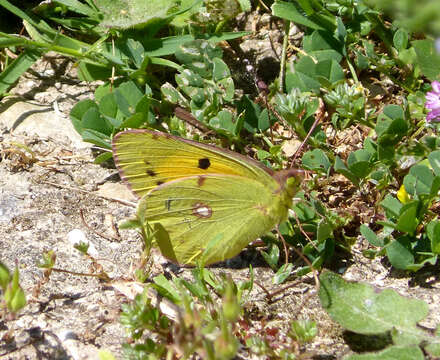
[204, 203]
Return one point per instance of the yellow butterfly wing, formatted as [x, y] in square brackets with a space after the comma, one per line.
[210, 218]
[146, 159]
[205, 203]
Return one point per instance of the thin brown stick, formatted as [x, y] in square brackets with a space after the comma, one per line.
[302, 231]
[319, 115]
[109, 238]
[307, 261]
[280, 291]
[190, 119]
[102, 275]
[286, 250]
[123, 202]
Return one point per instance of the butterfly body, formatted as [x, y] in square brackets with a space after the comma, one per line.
[204, 203]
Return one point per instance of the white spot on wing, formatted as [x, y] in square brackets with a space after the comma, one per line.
[202, 210]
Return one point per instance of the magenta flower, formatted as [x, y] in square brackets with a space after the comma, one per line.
[433, 103]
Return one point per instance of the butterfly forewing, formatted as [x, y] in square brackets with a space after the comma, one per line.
[210, 218]
[147, 159]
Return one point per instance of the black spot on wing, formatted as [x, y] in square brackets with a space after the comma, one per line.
[151, 172]
[159, 183]
[204, 163]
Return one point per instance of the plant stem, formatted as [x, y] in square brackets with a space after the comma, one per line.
[284, 55]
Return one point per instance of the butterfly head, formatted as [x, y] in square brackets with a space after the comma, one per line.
[289, 180]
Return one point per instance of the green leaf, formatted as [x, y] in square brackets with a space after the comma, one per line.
[362, 309]
[165, 45]
[316, 160]
[385, 150]
[303, 331]
[304, 212]
[251, 113]
[399, 253]
[391, 125]
[166, 288]
[427, 58]
[92, 120]
[103, 157]
[18, 301]
[131, 94]
[78, 7]
[108, 105]
[324, 230]
[293, 12]
[330, 70]
[419, 180]
[14, 295]
[78, 111]
[323, 46]
[359, 163]
[263, 121]
[16, 68]
[123, 14]
[407, 221]
[282, 274]
[220, 70]
[97, 138]
[223, 121]
[392, 206]
[4, 276]
[393, 112]
[91, 72]
[371, 236]
[391, 353]
[342, 169]
[433, 232]
[301, 81]
[433, 349]
[400, 39]
[434, 161]
[272, 256]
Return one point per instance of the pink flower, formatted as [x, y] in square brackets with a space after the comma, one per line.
[433, 103]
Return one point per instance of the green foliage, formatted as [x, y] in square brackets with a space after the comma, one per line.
[409, 230]
[120, 14]
[420, 16]
[134, 49]
[114, 109]
[361, 309]
[205, 86]
[349, 104]
[402, 239]
[13, 297]
[214, 331]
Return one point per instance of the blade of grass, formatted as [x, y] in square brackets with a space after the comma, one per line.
[11, 74]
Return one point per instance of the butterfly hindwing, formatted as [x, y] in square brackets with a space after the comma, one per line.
[210, 218]
[147, 159]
